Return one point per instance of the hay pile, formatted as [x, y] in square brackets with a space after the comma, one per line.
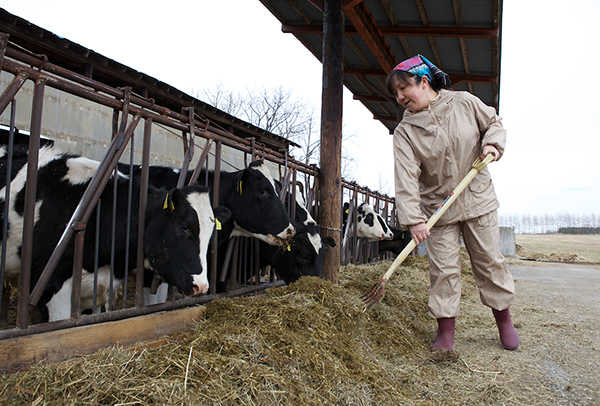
[526, 254]
[309, 343]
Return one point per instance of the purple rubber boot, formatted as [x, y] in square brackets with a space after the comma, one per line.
[445, 334]
[508, 335]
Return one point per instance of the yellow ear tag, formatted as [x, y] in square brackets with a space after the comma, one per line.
[168, 204]
[347, 210]
[217, 224]
[285, 245]
[239, 187]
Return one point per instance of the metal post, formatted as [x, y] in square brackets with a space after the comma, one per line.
[5, 300]
[201, 160]
[139, 282]
[77, 269]
[29, 211]
[215, 203]
[11, 90]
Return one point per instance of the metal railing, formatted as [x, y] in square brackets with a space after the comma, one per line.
[129, 111]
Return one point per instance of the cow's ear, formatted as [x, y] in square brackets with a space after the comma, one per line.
[222, 214]
[330, 241]
[242, 178]
[170, 199]
[278, 186]
[245, 175]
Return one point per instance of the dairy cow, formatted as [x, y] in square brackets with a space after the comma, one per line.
[370, 225]
[251, 199]
[395, 245]
[305, 253]
[175, 223]
[250, 195]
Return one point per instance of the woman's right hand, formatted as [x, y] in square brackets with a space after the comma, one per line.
[419, 232]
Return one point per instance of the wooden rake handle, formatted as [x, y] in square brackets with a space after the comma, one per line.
[477, 167]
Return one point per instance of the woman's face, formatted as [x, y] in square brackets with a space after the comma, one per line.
[413, 95]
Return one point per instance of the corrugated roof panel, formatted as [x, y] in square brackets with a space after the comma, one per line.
[482, 54]
[451, 62]
[477, 13]
[406, 12]
[440, 13]
[479, 60]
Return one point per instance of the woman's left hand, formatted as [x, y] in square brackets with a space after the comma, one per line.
[490, 149]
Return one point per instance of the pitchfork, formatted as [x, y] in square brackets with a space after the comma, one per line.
[377, 291]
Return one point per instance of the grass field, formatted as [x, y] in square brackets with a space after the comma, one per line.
[585, 246]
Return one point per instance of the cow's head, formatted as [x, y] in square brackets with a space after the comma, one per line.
[371, 224]
[305, 253]
[256, 208]
[299, 257]
[179, 223]
[210, 220]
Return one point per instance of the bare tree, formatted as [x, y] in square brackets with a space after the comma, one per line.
[277, 111]
[222, 99]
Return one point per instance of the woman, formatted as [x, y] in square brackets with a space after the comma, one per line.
[441, 134]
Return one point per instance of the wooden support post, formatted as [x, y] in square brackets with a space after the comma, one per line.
[330, 177]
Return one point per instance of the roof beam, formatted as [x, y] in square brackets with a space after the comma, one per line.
[446, 32]
[367, 27]
[386, 118]
[431, 40]
[463, 43]
[394, 21]
[454, 78]
[317, 3]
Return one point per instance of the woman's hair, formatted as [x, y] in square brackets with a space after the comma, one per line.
[408, 78]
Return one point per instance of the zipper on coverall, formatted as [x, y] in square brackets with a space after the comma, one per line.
[446, 140]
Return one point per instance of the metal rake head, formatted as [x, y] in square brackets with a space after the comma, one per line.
[374, 294]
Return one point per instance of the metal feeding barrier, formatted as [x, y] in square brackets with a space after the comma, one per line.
[134, 116]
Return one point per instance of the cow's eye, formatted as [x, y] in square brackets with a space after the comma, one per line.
[185, 229]
[264, 192]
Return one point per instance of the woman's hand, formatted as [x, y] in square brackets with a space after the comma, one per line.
[419, 232]
[489, 149]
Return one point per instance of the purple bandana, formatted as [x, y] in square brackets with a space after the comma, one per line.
[420, 66]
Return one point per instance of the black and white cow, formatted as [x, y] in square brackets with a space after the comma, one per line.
[370, 225]
[304, 254]
[395, 245]
[255, 209]
[176, 222]
[250, 195]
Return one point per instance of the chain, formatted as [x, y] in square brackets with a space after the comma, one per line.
[330, 228]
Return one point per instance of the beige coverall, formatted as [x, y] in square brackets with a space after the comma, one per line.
[433, 150]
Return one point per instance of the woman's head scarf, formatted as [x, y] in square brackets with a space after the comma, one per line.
[420, 66]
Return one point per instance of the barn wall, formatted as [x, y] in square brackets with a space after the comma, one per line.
[83, 127]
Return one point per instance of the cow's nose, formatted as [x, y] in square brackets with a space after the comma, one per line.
[200, 289]
[290, 231]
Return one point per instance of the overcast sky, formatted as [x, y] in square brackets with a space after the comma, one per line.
[548, 101]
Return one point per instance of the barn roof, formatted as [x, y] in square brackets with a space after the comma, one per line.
[462, 37]
[77, 58]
